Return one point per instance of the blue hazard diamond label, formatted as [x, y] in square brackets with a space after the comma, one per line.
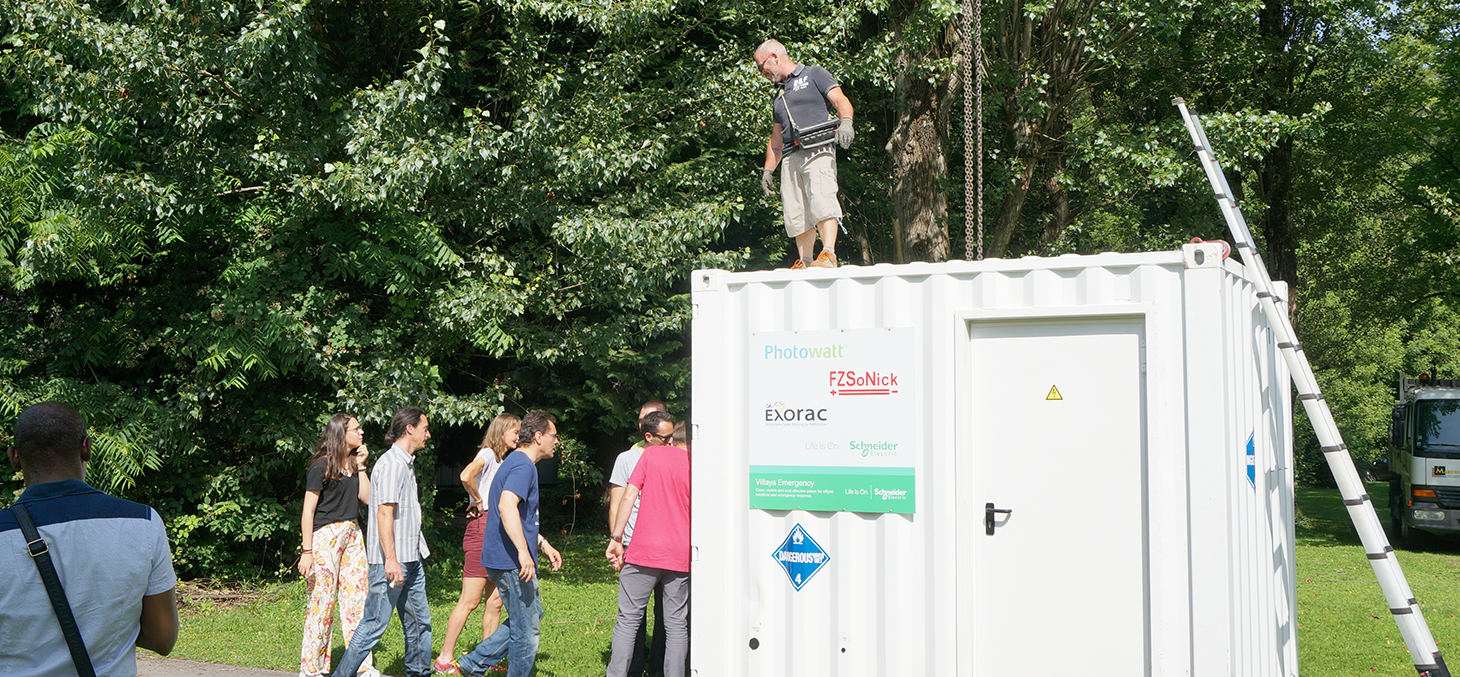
[1251, 463]
[800, 556]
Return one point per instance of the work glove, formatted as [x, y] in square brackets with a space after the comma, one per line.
[844, 133]
[767, 182]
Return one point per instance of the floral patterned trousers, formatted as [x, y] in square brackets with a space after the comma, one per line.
[339, 569]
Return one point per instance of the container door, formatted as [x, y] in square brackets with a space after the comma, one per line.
[1058, 441]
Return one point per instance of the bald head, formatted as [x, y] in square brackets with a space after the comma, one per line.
[772, 61]
[50, 438]
[770, 47]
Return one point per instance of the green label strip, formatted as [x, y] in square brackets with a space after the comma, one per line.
[775, 487]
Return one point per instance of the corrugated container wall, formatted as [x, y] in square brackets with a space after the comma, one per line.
[1078, 464]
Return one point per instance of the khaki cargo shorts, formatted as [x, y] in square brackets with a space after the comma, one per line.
[808, 189]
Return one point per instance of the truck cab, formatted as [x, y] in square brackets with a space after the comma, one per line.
[1424, 459]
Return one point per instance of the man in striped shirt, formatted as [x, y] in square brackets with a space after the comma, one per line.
[394, 549]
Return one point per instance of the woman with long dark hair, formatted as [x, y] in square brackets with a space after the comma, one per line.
[476, 478]
[333, 559]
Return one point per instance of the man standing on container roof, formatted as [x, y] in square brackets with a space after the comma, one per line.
[801, 142]
[660, 552]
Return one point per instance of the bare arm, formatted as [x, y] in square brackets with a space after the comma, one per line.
[159, 622]
[361, 454]
[615, 492]
[364, 494]
[306, 530]
[555, 558]
[615, 551]
[773, 148]
[840, 101]
[469, 476]
[512, 524]
[385, 526]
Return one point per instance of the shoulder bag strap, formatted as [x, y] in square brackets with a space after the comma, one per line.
[42, 556]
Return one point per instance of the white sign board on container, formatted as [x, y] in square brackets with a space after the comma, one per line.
[828, 414]
[1085, 457]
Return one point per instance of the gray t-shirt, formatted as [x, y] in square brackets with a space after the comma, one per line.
[805, 92]
[623, 467]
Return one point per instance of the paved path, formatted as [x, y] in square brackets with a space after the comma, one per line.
[153, 666]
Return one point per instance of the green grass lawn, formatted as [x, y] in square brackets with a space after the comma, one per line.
[1344, 626]
[580, 604]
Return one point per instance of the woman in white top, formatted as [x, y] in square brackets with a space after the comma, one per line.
[501, 439]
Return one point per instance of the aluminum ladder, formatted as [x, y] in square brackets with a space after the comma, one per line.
[1402, 605]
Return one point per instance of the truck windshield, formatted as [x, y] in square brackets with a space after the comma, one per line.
[1437, 424]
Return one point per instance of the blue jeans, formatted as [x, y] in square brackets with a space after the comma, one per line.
[516, 638]
[415, 619]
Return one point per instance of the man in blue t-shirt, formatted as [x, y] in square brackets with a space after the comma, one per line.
[509, 551]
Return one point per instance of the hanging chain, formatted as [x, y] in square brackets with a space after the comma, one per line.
[972, 133]
[978, 87]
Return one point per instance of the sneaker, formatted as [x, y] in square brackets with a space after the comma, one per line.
[825, 259]
[447, 668]
[372, 672]
[798, 265]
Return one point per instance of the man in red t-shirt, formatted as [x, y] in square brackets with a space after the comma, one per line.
[659, 556]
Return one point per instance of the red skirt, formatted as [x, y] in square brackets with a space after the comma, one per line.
[471, 544]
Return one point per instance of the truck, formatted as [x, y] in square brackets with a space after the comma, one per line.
[1423, 466]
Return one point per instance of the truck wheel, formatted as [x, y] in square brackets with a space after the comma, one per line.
[1409, 537]
[1395, 489]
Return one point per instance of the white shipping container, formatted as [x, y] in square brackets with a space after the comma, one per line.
[857, 430]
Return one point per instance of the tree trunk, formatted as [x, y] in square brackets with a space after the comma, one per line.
[1281, 237]
[917, 146]
[1280, 27]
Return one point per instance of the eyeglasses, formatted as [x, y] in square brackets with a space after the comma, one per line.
[662, 438]
[761, 66]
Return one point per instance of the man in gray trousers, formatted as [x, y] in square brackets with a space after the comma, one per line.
[659, 556]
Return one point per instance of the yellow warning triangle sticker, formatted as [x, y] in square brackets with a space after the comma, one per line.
[1054, 394]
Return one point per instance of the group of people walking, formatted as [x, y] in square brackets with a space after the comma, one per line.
[125, 563]
[373, 573]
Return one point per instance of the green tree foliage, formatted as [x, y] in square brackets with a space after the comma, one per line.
[221, 222]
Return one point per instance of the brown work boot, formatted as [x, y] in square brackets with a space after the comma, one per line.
[825, 259]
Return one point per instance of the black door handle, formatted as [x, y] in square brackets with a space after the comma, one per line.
[988, 517]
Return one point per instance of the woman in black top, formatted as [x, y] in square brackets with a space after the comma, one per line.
[333, 560]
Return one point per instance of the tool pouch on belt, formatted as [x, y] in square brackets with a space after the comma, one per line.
[816, 136]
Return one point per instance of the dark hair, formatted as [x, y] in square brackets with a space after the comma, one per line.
[404, 418]
[681, 433]
[653, 405]
[49, 433]
[496, 436]
[536, 421]
[650, 422]
[331, 448]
